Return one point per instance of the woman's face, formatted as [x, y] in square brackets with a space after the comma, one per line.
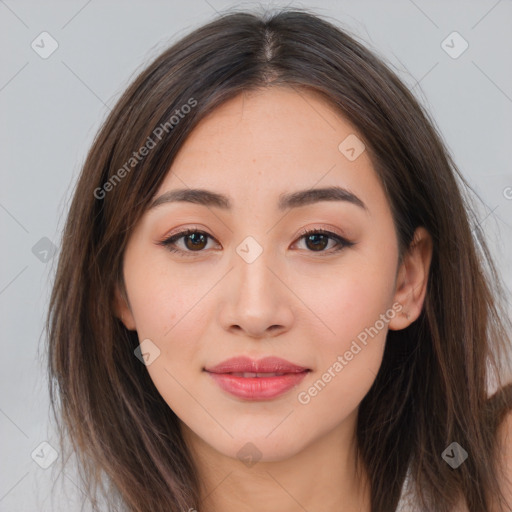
[250, 284]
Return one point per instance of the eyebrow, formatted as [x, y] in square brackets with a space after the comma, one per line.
[286, 200]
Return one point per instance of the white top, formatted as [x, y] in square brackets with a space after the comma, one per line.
[407, 503]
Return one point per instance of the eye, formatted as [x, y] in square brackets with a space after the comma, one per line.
[195, 241]
[318, 239]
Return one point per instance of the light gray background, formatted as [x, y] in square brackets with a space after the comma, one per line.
[51, 109]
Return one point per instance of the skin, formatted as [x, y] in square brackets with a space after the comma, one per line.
[205, 308]
[505, 459]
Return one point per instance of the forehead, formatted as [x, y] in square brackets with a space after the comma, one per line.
[278, 123]
[267, 142]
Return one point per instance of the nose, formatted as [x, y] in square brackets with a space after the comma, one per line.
[257, 302]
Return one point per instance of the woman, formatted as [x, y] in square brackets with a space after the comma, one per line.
[270, 295]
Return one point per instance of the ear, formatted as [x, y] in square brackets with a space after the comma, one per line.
[412, 279]
[122, 309]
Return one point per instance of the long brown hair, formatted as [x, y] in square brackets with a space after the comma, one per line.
[433, 384]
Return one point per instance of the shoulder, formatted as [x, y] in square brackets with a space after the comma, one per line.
[504, 438]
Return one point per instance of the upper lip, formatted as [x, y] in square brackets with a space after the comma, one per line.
[265, 365]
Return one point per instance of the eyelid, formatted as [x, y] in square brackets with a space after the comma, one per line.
[342, 241]
[180, 233]
[333, 233]
[325, 228]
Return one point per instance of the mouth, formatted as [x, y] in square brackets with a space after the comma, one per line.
[246, 365]
[258, 375]
[265, 379]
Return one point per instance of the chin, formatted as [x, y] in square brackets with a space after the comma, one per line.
[258, 448]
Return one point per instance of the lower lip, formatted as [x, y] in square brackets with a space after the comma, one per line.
[257, 388]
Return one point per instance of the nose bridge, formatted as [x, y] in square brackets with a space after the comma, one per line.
[252, 260]
[256, 303]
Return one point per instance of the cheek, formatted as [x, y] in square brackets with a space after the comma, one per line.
[353, 299]
[165, 307]
[357, 310]
[356, 306]
[162, 298]
[171, 307]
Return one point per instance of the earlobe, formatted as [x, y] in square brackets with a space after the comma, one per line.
[122, 310]
[412, 279]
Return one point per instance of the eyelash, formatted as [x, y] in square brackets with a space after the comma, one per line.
[169, 242]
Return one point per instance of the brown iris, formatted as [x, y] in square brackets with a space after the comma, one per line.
[316, 246]
[198, 241]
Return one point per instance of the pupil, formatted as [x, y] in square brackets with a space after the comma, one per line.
[311, 237]
[194, 238]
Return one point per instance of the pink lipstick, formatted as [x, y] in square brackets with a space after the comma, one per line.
[257, 380]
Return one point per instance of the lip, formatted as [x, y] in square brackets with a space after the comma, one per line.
[254, 387]
[265, 365]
